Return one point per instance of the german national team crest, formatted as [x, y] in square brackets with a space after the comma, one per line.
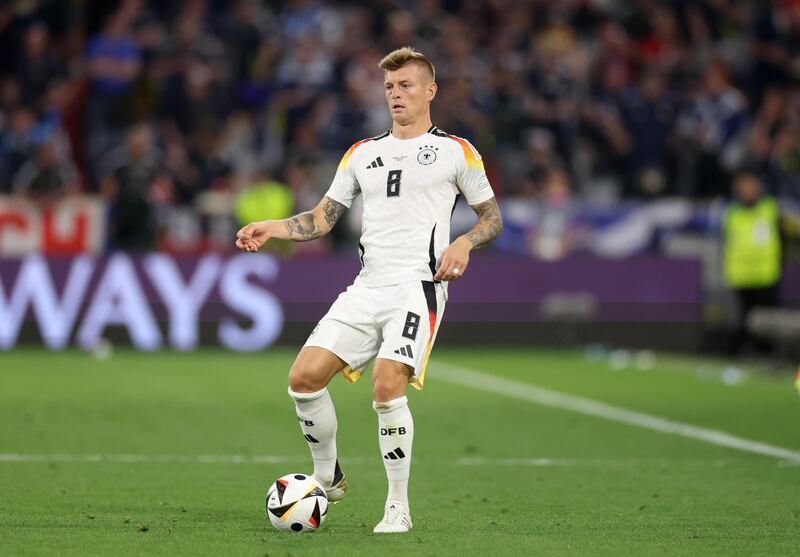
[427, 155]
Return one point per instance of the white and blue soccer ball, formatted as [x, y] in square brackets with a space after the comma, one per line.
[296, 503]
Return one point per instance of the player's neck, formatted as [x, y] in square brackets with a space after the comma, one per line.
[412, 129]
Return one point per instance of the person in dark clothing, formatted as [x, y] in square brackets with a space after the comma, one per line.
[46, 174]
[649, 111]
[133, 180]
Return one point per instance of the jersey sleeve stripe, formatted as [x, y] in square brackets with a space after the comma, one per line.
[470, 155]
[350, 151]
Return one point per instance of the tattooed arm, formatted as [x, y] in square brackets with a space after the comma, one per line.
[300, 228]
[489, 225]
[315, 223]
[456, 257]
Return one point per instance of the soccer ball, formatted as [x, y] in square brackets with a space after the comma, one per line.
[296, 503]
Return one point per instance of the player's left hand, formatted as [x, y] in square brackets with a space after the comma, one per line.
[454, 260]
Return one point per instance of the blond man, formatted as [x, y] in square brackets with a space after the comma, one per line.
[410, 179]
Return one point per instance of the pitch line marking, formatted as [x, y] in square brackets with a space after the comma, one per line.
[555, 399]
[161, 458]
[147, 458]
[355, 460]
[280, 459]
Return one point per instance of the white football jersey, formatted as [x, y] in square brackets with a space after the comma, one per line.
[409, 188]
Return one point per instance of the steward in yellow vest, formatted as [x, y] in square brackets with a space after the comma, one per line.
[752, 244]
[266, 199]
[751, 254]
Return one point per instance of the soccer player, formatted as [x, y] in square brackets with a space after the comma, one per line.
[410, 178]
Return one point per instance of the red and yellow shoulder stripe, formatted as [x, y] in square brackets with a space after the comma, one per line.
[471, 155]
[350, 151]
[355, 145]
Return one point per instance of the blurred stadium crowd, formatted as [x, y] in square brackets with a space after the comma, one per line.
[173, 109]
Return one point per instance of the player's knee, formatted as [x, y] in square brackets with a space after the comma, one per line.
[382, 392]
[302, 380]
[385, 388]
[389, 380]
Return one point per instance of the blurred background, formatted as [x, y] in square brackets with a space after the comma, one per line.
[646, 157]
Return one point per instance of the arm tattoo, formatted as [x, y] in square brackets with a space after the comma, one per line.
[489, 225]
[333, 211]
[302, 227]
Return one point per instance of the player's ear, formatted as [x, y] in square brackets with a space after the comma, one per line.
[430, 93]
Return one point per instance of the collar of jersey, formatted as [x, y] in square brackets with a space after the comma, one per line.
[393, 136]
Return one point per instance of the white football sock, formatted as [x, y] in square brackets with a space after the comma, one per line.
[317, 419]
[395, 437]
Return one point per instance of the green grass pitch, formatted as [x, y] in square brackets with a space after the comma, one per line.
[107, 458]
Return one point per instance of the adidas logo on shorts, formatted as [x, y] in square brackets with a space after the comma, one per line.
[405, 351]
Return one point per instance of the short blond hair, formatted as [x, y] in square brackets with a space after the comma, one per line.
[396, 59]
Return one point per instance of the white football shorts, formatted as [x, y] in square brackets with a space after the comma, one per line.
[397, 322]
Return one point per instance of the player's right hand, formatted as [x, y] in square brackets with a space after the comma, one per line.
[252, 236]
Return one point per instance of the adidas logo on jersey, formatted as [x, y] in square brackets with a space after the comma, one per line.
[394, 455]
[405, 351]
[375, 164]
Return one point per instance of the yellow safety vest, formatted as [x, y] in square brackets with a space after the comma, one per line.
[264, 201]
[752, 245]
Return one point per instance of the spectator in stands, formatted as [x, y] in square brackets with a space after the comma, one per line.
[47, 175]
[602, 125]
[114, 62]
[191, 65]
[10, 98]
[648, 111]
[135, 183]
[18, 143]
[235, 86]
[553, 237]
[774, 146]
[508, 101]
[713, 128]
[775, 45]
[184, 172]
[38, 66]
[786, 154]
[553, 96]
[344, 117]
[541, 159]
